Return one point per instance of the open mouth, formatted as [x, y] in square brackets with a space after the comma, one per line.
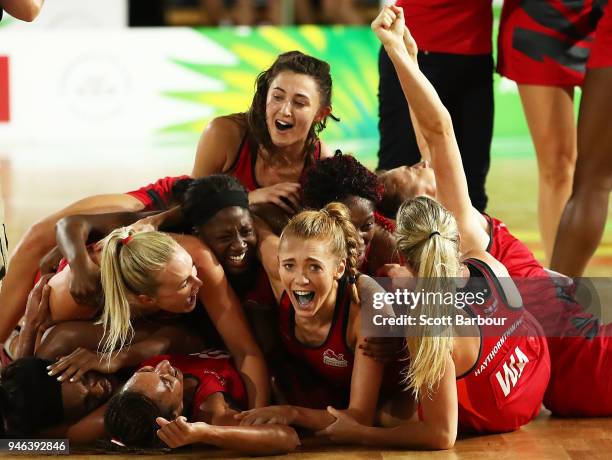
[304, 297]
[191, 300]
[282, 125]
[238, 258]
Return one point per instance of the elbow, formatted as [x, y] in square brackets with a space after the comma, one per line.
[288, 439]
[441, 126]
[444, 439]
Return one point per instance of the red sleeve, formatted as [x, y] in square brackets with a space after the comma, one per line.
[157, 196]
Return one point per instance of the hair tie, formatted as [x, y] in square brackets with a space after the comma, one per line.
[351, 279]
[432, 234]
[127, 239]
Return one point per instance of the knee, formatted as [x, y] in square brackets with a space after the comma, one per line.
[557, 169]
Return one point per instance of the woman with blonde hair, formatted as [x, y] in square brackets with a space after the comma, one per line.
[312, 268]
[149, 276]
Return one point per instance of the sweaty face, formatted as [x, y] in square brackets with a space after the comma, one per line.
[178, 284]
[83, 396]
[362, 217]
[309, 273]
[163, 384]
[231, 236]
[411, 181]
[292, 106]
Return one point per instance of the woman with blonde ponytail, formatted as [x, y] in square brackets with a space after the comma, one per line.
[312, 268]
[478, 378]
[140, 273]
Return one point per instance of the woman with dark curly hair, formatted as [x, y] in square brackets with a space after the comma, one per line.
[343, 179]
[268, 147]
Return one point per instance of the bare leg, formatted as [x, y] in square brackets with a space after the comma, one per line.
[584, 218]
[550, 115]
[38, 240]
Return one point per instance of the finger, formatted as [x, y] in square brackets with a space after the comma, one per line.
[322, 433]
[239, 415]
[59, 366]
[161, 421]
[164, 437]
[44, 300]
[284, 206]
[333, 411]
[260, 421]
[79, 373]
[294, 201]
[68, 373]
[181, 422]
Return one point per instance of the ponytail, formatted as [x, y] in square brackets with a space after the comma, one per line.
[130, 262]
[428, 239]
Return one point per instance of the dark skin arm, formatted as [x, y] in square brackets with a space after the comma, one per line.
[150, 339]
[217, 427]
[37, 314]
[72, 234]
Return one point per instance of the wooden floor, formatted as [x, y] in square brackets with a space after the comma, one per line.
[545, 438]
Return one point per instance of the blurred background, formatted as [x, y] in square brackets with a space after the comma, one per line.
[107, 96]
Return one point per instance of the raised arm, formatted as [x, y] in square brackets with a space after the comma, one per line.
[435, 125]
[26, 10]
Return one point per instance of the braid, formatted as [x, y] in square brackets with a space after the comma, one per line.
[341, 216]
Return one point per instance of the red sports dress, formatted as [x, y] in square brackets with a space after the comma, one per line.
[580, 349]
[158, 195]
[505, 387]
[547, 42]
[332, 360]
[214, 371]
[450, 26]
[243, 168]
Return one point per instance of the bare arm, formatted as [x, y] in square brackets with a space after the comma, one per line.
[218, 147]
[227, 315]
[37, 313]
[435, 125]
[26, 10]
[437, 430]
[72, 234]
[268, 255]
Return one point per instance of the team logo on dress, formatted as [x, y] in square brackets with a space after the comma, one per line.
[332, 359]
[513, 369]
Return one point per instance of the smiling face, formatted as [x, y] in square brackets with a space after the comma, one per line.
[163, 384]
[231, 236]
[362, 217]
[178, 284]
[309, 273]
[293, 104]
[86, 394]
